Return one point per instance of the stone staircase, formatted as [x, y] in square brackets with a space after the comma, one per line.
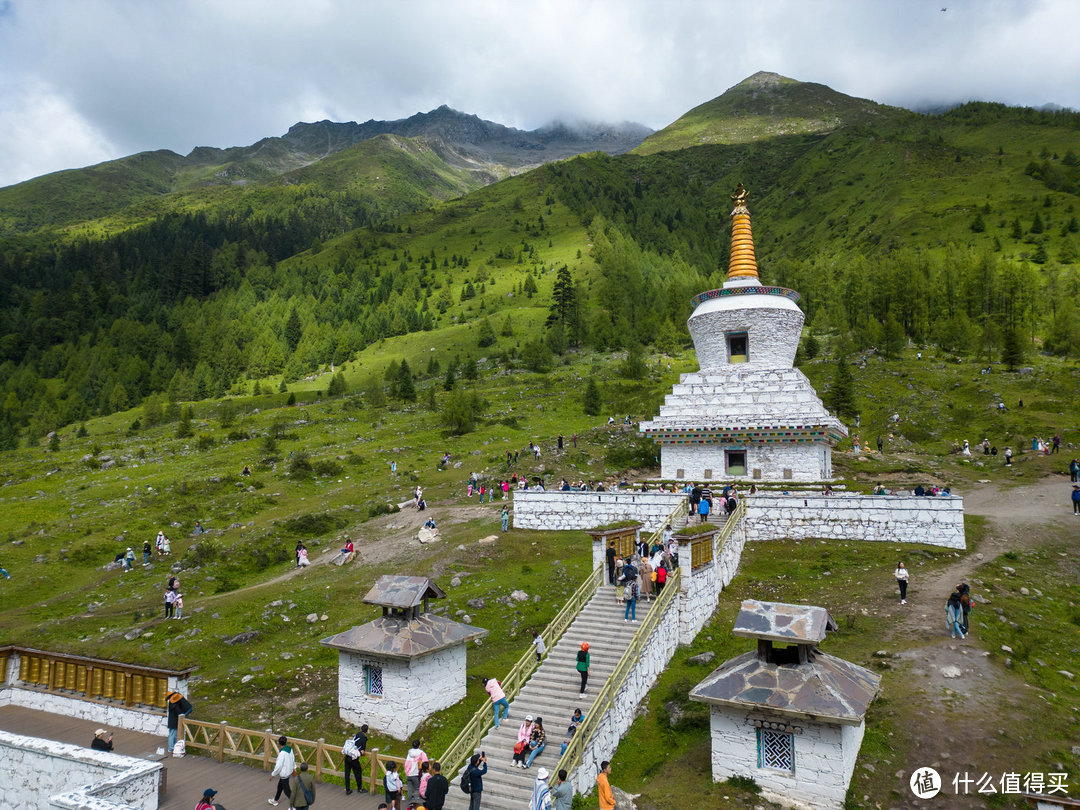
[552, 693]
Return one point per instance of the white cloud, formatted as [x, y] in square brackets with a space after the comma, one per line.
[41, 133]
[183, 73]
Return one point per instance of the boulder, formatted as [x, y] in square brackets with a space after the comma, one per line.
[703, 658]
[241, 638]
[519, 596]
[426, 535]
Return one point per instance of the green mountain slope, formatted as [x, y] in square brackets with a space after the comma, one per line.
[766, 105]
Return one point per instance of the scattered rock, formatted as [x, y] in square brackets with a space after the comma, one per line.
[312, 618]
[131, 635]
[286, 656]
[519, 596]
[675, 713]
[951, 672]
[455, 582]
[241, 638]
[1066, 673]
[1008, 570]
[276, 603]
[1006, 648]
[285, 618]
[247, 679]
[466, 619]
[324, 618]
[702, 658]
[476, 604]
[491, 538]
[1024, 592]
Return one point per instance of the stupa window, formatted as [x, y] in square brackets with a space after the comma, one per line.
[737, 347]
[736, 462]
[372, 680]
[776, 750]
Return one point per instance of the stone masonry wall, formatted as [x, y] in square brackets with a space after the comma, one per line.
[566, 511]
[773, 326]
[701, 589]
[807, 462]
[106, 714]
[412, 691]
[888, 518]
[658, 651]
[42, 773]
[824, 758]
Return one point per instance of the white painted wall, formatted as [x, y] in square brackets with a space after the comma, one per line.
[38, 773]
[566, 511]
[107, 714]
[700, 589]
[807, 462]
[412, 690]
[887, 518]
[824, 758]
[773, 325]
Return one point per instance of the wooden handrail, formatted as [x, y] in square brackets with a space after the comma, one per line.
[220, 740]
[483, 718]
[605, 699]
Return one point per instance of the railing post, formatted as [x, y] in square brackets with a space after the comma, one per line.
[319, 743]
[266, 750]
[221, 742]
[373, 756]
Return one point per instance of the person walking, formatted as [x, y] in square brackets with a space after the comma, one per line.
[603, 788]
[630, 593]
[413, 758]
[437, 788]
[901, 575]
[147, 550]
[703, 510]
[284, 766]
[392, 786]
[303, 788]
[562, 794]
[611, 555]
[353, 754]
[477, 769]
[499, 703]
[965, 605]
[583, 665]
[1076, 499]
[505, 518]
[178, 705]
[541, 647]
[541, 795]
[1008, 456]
[954, 615]
[1074, 470]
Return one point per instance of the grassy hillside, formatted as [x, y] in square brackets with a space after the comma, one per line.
[764, 106]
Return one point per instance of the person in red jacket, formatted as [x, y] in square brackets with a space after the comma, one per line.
[207, 801]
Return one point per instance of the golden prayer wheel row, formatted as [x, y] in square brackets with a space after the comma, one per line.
[94, 681]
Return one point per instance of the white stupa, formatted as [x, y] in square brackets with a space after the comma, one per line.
[748, 414]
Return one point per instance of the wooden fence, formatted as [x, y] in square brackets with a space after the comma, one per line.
[221, 741]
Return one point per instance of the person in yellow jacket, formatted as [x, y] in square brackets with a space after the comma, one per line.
[603, 789]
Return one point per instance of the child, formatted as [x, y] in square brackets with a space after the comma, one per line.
[302, 560]
[178, 606]
[541, 647]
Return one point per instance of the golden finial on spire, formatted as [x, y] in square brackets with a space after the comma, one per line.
[742, 263]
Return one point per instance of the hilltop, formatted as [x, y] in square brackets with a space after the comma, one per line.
[767, 105]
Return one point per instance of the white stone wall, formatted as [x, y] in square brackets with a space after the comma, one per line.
[888, 518]
[566, 511]
[412, 690]
[107, 714]
[773, 325]
[658, 652]
[38, 773]
[700, 589]
[824, 758]
[807, 462]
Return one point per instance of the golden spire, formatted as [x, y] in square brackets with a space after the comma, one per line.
[742, 263]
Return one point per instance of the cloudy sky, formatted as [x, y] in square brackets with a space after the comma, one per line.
[83, 81]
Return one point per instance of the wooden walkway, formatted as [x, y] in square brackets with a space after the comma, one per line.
[238, 786]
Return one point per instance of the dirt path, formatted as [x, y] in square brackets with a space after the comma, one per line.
[386, 539]
[965, 698]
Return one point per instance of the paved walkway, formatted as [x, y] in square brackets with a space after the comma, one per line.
[239, 787]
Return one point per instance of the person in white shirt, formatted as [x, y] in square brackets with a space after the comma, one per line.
[901, 575]
[284, 766]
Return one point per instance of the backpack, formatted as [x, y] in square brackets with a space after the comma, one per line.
[350, 750]
[466, 780]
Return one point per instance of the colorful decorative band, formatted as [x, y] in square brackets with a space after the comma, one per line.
[725, 291]
[789, 435]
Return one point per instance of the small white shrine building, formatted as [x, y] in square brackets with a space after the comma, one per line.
[395, 671]
[790, 717]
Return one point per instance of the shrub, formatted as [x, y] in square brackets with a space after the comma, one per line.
[314, 524]
[300, 464]
[327, 467]
[205, 442]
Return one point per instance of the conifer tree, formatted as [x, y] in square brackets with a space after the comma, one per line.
[840, 398]
[1012, 348]
[449, 381]
[507, 327]
[406, 388]
[530, 286]
[486, 335]
[294, 330]
[591, 402]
